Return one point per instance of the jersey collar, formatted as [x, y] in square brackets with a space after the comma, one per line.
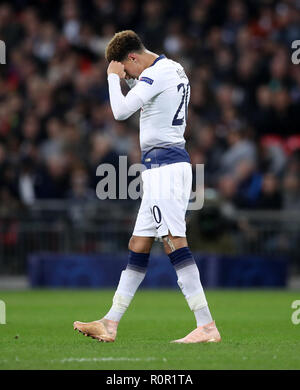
[157, 59]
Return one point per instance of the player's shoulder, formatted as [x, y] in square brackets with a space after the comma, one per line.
[162, 69]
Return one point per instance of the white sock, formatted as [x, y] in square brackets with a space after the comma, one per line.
[128, 284]
[203, 316]
[191, 287]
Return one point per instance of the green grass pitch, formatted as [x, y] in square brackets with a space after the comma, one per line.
[255, 325]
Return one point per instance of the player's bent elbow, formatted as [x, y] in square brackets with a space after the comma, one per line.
[121, 116]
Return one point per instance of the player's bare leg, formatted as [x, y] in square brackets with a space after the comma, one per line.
[190, 284]
[106, 328]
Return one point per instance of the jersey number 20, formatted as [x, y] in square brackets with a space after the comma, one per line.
[184, 101]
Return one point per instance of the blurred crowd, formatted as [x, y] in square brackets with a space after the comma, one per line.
[56, 125]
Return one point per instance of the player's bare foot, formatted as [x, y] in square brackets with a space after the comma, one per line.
[202, 334]
[102, 330]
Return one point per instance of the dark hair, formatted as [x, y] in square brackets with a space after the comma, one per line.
[123, 43]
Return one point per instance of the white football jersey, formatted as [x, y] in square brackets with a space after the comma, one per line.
[165, 91]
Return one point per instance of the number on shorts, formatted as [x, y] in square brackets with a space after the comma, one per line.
[157, 214]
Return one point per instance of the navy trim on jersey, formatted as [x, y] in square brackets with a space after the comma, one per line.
[159, 156]
[158, 58]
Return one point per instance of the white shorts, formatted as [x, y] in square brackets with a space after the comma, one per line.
[166, 193]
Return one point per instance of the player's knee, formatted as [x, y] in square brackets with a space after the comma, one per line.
[140, 244]
[132, 244]
[135, 245]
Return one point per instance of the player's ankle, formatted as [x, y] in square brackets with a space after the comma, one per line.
[208, 325]
[110, 323]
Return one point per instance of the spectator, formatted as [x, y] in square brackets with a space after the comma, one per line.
[291, 192]
[54, 109]
[240, 149]
[270, 197]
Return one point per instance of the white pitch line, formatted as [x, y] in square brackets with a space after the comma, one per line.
[107, 359]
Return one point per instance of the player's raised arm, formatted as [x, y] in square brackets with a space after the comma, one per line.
[131, 82]
[122, 106]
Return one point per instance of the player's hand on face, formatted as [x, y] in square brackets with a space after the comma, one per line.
[116, 67]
